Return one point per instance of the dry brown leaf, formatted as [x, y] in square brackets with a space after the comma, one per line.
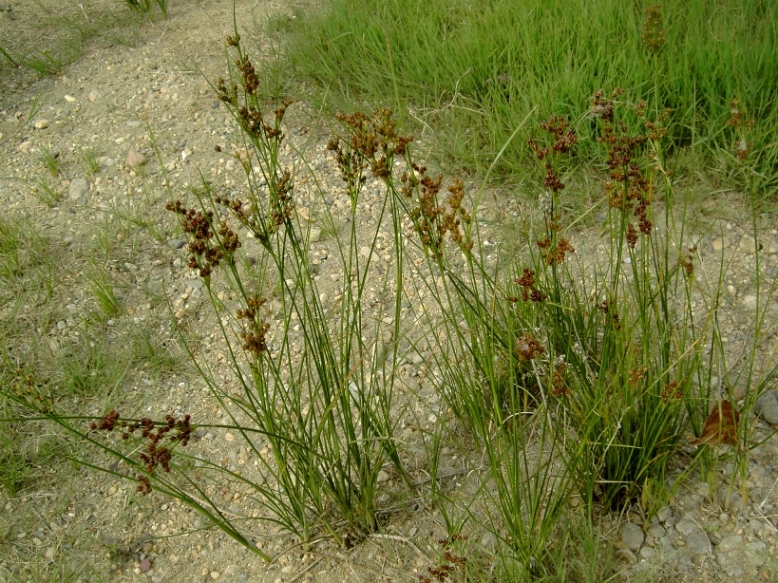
[720, 426]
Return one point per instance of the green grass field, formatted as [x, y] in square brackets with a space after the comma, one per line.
[472, 70]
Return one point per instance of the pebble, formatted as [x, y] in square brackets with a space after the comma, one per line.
[698, 543]
[749, 301]
[93, 95]
[315, 234]
[70, 99]
[215, 575]
[686, 526]
[633, 536]
[747, 244]
[176, 243]
[41, 124]
[730, 543]
[105, 161]
[135, 159]
[767, 406]
[78, 188]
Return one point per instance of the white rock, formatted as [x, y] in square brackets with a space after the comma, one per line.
[41, 124]
[78, 188]
[70, 99]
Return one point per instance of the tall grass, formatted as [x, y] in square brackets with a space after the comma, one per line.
[472, 70]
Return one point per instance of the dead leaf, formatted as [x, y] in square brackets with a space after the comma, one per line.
[720, 426]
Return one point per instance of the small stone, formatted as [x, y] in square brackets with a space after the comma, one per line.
[41, 124]
[729, 543]
[93, 95]
[633, 536]
[767, 406]
[194, 284]
[229, 437]
[718, 244]
[747, 244]
[647, 553]
[70, 99]
[105, 161]
[627, 556]
[686, 526]
[656, 531]
[78, 188]
[50, 553]
[382, 477]
[315, 234]
[135, 159]
[698, 543]
[749, 301]
[215, 575]
[664, 514]
[176, 243]
[735, 571]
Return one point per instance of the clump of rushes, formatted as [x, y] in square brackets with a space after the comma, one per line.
[318, 397]
[485, 361]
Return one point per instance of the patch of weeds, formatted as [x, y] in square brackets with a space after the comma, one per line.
[147, 6]
[88, 161]
[51, 162]
[8, 56]
[45, 193]
[44, 63]
[103, 293]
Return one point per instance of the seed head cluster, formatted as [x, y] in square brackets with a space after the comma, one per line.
[431, 219]
[627, 188]
[208, 247]
[257, 327]
[175, 431]
[653, 29]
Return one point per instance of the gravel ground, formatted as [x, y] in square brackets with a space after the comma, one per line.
[110, 102]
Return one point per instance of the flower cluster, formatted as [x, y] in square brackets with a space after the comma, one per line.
[627, 188]
[528, 289]
[155, 454]
[431, 219]
[529, 348]
[742, 127]
[207, 247]
[254, 339]
[653, 29]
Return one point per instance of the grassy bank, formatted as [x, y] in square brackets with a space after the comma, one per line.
[472, 70]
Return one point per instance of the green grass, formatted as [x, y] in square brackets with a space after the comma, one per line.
[68, 29]
[471, 70]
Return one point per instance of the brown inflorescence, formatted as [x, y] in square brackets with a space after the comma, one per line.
[254, 340]
[627, 188]
[653, 29]
[529, 348]
[687, 262]
[672, 391]
[554, 254]
[207, 251]
[559, 387]
[528, 289]
[155, 455]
